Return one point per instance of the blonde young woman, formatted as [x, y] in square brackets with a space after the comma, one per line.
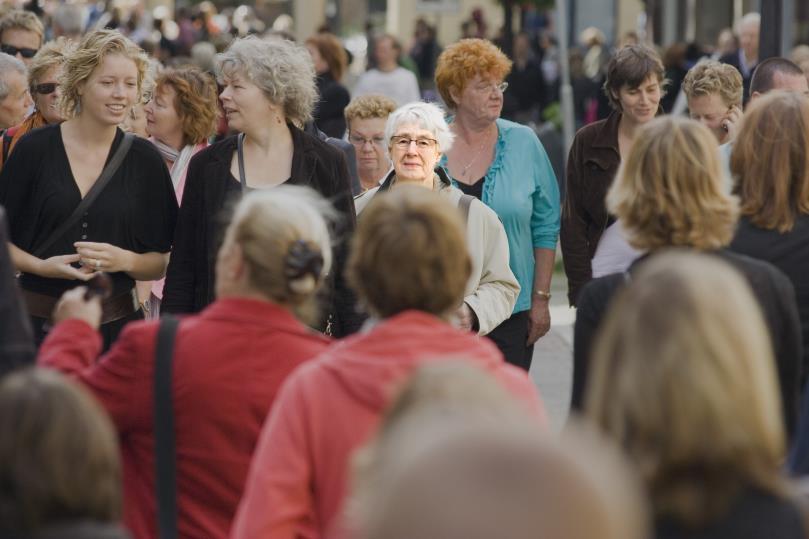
[690, 392]
[675, 159]
[128, 229]
[275, 255]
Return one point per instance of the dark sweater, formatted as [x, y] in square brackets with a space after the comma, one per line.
[770, 287]
[203, 219]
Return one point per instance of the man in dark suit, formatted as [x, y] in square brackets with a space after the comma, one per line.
[745, 58]
[16, 340]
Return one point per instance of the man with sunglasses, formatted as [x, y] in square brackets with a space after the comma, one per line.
[21, 34]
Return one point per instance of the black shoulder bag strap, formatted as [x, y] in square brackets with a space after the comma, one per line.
[463, 205]
[240, 155]
[165, 454]
[106, 175]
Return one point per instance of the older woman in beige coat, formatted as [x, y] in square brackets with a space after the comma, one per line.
[417, 136]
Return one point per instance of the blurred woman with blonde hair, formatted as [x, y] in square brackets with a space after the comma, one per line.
[690, 392]
[669, 193]
[274, 258]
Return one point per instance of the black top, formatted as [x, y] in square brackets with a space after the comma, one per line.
[475, 190]
[136, 211]
[771, 288]
[754, 515]
[788, 252]
[16, 339]
[203, 218]
[328, 113]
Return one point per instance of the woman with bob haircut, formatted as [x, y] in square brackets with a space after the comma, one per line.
[126, 232]
[670, 193]
[180, 118]
[331, 61]
[276, 253]
[44, 73]
[417, 136]
[634, 86]
[269, 92]
[410, 266]
[366, 117]
[770, 162]
[690, 392]
[504, 165]
[59, 461]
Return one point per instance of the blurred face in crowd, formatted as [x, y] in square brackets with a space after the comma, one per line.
[46, 95]
[245, 104]
[710, 110]
[414, 152]
[385, 53]
[162, 120]
[15, 106]
[368, 137]
[640, 104]
[481, 99]
[320, 64]
[111, 90]
[748, 39]
[21, 43]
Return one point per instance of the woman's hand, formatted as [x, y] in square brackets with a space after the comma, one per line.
[104, 257]
[539, 320]
[465, 317]
[72, 305]
[59, 267]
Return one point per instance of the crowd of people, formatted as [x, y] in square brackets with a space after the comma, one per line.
[241, 300]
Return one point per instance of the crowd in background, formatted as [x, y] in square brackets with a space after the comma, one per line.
[252, 291]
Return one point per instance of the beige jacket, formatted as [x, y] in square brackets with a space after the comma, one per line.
[492, 289]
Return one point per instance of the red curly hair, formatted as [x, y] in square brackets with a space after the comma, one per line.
[463, 61]
[195, 102]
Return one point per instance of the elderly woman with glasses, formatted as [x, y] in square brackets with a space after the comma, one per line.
[366, 117]
[43, 75]
[505, 166]
[417, 136]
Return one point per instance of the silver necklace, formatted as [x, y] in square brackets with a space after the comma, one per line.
[474, 159]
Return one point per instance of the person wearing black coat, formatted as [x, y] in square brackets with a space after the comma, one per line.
[16, 338]
[270, 150]
[674, 159]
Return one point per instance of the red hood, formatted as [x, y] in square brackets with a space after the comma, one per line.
[368, 365]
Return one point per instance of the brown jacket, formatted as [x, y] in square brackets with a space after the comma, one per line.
[591, 165]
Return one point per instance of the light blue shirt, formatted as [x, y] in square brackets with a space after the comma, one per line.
[520, 186]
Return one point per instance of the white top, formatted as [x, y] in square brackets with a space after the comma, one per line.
[400, 85]
[613, 254]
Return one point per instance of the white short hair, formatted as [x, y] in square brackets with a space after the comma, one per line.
[427, 116]
[9, 64]
[749, 18]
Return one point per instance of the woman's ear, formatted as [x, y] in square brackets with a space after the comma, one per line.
[455, 94]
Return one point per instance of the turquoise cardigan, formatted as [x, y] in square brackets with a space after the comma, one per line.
[521, 188]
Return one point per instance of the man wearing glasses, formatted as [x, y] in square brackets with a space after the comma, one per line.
[365, 119]
[21, 34]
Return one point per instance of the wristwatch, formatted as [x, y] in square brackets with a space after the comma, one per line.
[543, 294]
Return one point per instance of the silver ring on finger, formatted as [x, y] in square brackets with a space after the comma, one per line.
[98, 264]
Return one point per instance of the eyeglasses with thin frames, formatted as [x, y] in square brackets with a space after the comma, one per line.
[422, 143]
[488, 88]
[360, 142]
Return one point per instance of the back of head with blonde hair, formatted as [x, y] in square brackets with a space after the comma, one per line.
[683, 377]
[770, 160]
[284, 239]
[409, 252]
[668, 192]
[456, 458]
[87, 56]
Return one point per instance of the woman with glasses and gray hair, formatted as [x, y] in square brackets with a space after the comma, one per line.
[268, 95]
[505, 166]
[418, 136]
[15, 100]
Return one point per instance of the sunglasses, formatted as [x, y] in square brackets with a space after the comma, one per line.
[45, 88]
[25, 52]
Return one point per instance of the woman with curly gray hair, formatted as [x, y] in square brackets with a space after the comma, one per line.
[268, 94]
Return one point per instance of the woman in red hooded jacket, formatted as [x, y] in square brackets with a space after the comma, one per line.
[410, 266]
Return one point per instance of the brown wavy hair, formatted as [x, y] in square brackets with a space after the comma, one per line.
[332, 52]
[669, 191]
[770, 160]
[196, 101]
[463, 61]
[409, 252]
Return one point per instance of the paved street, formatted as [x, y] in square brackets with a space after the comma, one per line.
[552, 366]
